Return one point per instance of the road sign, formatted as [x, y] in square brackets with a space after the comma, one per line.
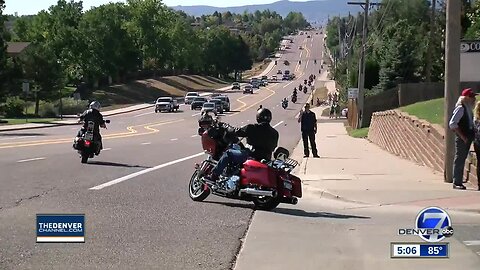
[352, 93]
[470, 46]
[26, 87]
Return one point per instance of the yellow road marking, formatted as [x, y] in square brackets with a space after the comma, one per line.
[243, 108]
[132, 132]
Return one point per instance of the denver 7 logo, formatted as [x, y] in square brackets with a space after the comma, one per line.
[437, 220]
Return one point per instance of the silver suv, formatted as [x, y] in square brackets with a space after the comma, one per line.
[226, 102]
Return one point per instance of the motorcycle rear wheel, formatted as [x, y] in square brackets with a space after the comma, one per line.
[196, 189]
[85, 157]
[266, 203]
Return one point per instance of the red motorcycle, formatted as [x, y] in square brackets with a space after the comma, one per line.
[266, 183]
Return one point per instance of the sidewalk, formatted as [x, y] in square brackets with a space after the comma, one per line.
[356, 170]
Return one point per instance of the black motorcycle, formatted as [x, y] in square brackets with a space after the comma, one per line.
[284, 104]
[85, 142]
[294, 99]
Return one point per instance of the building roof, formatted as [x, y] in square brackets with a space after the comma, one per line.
[14, 48]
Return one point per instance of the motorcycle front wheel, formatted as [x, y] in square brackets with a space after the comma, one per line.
[196, 189]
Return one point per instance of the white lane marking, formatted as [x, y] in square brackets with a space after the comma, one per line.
[30, 159]
[193, 136]
[174, 139]
[196, 114]
[142, 114]
[307, 65]
[130, 176]
[278, 124]
[472, 243]
[146, 143]
[107, 149]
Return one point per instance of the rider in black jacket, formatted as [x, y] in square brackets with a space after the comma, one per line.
[262, 139]
[93, 114]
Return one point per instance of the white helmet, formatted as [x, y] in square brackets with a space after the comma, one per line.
[95, 105]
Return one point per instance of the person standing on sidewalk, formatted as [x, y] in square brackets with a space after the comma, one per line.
[462, 124]
[308, 123]
[476, 142]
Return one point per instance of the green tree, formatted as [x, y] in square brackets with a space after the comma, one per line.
[3, 53]
[109, 50]
[44, 68]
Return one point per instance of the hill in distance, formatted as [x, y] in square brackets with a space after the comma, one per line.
[316, 11]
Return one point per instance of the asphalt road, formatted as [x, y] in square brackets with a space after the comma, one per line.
[146, 221]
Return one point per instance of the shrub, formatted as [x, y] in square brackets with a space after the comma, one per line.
[13, 107]
[72, 106]
[47, 109]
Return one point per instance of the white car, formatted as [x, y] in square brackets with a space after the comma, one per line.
[209, 107]
[190, 96]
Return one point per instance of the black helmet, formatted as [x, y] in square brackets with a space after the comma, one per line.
[264, 116]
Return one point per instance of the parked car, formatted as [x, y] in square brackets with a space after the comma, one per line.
[274, 78]
[198, 103]
[264, 82]
[226, 102]
[286, 63]
[248, 89]
[300, 47]
[287, 72]
[218, 104]
[190, 96]
[264, 77]
[309, 36]
[166, 104]
[279, 71]
[235, 85]
[285, 77]
[209, 107]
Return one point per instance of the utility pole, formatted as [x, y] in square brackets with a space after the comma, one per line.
[361, 68]
[452, 79]
[428, 70]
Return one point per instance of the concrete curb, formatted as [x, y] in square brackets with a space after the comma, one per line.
[128, 111]
[42, 126]
[70, 124]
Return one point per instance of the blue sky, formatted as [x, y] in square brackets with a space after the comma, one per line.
[27, 7]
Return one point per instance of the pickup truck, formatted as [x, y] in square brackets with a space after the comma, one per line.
[167, 104]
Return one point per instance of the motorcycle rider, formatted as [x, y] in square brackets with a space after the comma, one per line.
[262, 138]
[93, 114]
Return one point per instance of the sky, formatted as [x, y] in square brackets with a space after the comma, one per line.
[28, 7]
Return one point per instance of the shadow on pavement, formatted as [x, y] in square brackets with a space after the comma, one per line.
[113, 164]
[21, 134]
[236, 205]
[302, 213]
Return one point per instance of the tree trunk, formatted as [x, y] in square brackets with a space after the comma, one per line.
[37, 102]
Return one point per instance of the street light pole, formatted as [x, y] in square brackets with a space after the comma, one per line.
[452, 80]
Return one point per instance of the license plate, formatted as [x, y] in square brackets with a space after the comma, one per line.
[287, 185]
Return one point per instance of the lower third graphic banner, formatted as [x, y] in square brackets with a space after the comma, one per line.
[60, 228]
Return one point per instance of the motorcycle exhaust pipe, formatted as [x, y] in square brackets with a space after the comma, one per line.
[292, 200]
[256, 192]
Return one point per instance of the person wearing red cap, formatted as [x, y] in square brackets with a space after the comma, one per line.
[463, 126]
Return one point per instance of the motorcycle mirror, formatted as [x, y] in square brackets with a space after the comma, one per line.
[107, 121]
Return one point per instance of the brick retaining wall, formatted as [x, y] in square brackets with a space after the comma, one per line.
[414, 139]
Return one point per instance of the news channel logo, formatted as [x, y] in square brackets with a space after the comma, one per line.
[433, 224]
[60, 228]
